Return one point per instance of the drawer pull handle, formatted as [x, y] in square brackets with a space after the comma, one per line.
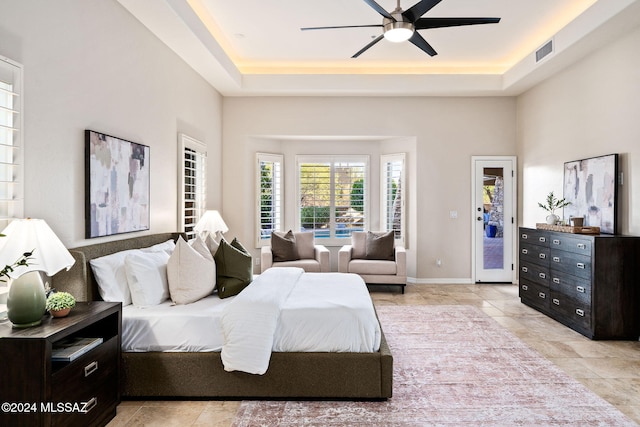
[556, 241]
[542, 275]
[524, 236]
[580, 312]
[580, 289]
[556, 280]
[92, 403]
[542, 239]
[556, 301]
[525, 269]
[542, 295]
[581, 246]
[542, 256]
[525, 288]
[90, 368]
[556, 259]
[525, 251]
[580, 265]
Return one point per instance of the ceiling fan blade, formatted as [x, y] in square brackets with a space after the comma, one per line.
[341, 26]
[419, 9]
[425, 23]
[417, 40]
[380, 10]
[361, 51]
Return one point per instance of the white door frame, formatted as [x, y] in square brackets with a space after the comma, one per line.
[474, 214]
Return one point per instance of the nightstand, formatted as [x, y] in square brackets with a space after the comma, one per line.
[36, 391]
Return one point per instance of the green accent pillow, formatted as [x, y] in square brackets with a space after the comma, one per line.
[234, 268]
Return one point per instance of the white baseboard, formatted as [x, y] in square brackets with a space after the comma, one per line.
[442, 281]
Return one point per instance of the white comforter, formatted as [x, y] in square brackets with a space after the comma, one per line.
[285, 309]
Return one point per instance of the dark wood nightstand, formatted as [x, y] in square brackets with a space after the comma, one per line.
[36, 391]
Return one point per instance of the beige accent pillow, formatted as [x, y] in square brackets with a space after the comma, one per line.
[359, 245]
[191, 272]
[304, 245]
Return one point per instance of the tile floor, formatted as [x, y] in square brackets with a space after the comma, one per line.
[609, 368]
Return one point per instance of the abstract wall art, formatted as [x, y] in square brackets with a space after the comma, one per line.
[591, 187]
[116, 185]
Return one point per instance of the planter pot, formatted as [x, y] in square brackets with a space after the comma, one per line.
[553, 219]
[491, 230]
[60, 313]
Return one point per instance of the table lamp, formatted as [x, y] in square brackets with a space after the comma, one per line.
[26, 299]
[210, 223]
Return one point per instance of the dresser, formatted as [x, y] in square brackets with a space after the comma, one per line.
[590, 283]
[38, 391]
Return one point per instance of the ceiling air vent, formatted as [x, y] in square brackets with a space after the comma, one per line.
[544, 51]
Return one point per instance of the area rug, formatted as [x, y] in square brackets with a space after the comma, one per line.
[453, 366]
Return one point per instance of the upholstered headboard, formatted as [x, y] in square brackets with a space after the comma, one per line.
[79, 280]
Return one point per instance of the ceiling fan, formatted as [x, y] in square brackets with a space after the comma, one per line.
[401, 25]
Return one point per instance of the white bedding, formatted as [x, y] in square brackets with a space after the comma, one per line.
[318, 312]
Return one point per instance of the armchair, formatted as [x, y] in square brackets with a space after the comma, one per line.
[295, 250]
[353, 259]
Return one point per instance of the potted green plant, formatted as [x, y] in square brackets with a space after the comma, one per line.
[551, 204]
[60, 304]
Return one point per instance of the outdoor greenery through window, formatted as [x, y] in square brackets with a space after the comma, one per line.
[332, 194]
[392, 182]
[270, 194]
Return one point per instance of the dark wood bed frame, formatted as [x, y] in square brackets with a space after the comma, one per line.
[201, 375]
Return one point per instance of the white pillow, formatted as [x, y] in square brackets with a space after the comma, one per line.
[167, 247]
[110, 274]
[147, 277]
[191, 272]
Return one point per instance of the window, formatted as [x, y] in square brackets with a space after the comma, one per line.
[11, 148]
[269, 197]
[332, 195]
[392, 211]
[192, 191]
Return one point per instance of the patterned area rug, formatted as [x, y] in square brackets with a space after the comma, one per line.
[453, 366]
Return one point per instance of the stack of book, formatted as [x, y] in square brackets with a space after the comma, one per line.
[69, 349]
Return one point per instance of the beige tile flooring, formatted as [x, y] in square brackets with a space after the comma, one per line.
[609, 368]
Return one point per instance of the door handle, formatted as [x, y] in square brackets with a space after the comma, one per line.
[480, 218]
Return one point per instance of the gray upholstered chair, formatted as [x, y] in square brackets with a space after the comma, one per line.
[390, 271]
[303, 253]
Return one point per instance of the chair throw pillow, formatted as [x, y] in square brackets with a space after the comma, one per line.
[359, 245]
[305, 245]
[380, 246]
[235, 268]
[283, 246]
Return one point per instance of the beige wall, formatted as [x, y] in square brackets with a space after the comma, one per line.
[91, 65]
[590, 109]
[445, 132]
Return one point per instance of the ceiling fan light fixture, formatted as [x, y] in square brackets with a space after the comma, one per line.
[398, 31]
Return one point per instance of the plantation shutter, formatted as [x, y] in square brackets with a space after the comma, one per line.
[269, 175]
[392, 188]
[193, 183]
[11, 142]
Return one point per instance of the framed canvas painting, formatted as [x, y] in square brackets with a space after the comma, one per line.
[116, 185]
[591, 187]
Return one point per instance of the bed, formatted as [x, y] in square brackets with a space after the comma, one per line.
[196, 374]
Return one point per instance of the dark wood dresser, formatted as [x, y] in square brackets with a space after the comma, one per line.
[37, 391]
[590, 283]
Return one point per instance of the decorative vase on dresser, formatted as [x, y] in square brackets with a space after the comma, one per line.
[590, 283]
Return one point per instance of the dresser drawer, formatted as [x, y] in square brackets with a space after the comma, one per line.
[99, 404]
[534, 254]
[534, 237]
[534, 295]
[574, 287]
[571, 263]
[572, 311]
[534, 273]
[74, 382]
[571, 244]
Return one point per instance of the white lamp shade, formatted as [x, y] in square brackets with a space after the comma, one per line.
[27, 235]
[212, 222]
